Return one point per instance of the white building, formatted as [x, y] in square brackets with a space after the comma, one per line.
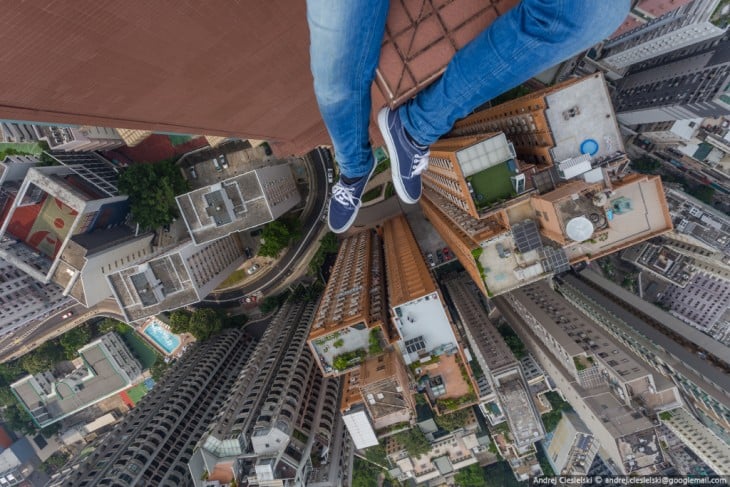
[238, 203]
[674, 30]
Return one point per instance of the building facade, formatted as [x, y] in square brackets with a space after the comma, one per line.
[175, 277]
[280, 413]
[674, 30]
[691, 82]
[105, 367]
[154, 442]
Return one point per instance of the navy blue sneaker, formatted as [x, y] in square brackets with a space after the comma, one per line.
[345, 202]
[408, 159]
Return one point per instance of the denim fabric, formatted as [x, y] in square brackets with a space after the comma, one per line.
[346, 37]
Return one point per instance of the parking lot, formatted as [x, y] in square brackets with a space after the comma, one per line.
[427, 237]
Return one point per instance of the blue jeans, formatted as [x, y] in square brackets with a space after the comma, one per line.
[346, 37]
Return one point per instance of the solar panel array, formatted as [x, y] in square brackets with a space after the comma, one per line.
[527, 236]
[555, 260]
[415, 344]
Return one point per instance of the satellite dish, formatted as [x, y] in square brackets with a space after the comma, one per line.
[600, 200]
[579, 229]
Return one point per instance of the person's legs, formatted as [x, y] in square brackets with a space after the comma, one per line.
[346, 36]
[530, 38]
[345, 47]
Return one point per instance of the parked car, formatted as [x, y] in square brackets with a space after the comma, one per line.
[439, 256]
[447, 254]
[193, 174]
[251, 270]
[67, 315]
[330, 175]
[429, 258]
[223, 160]
[217, 164]
[248, 252]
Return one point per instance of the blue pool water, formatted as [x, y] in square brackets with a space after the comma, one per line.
[166, 340]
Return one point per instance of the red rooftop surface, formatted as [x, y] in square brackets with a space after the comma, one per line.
[226, 68]
[645, 10]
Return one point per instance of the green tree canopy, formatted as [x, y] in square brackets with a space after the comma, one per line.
[152, 189]
[279, 234]
[414, 441]
[471, 476]
[74, 339]
[201, 323]
[180, 320]
[453, 421]
[42, 358]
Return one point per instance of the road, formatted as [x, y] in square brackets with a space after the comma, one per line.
[54, 326]
[312, 225]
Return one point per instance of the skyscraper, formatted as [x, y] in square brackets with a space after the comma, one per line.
[154, 442]
[556, 191]
[687, 83]
[279, 415]
[674, 30]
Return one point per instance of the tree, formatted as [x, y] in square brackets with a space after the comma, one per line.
[274, 238]
[74, 339]
[158, 369]
[204, 323]
[42, 358]
[327, 246]
[18, 419]
[180, 321]
[109, 324]
[471, 476]
[152, 189]
[453, 421]
[10, 372]
[414, 441]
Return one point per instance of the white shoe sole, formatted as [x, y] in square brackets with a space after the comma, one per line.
[394, 165]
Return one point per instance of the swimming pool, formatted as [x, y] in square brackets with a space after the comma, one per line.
[163, 338]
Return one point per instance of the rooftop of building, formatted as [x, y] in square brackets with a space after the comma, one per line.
[577, 334]
[581, 115]
[523, 419]
[232, 205]
[95, 379]
[382, 391]
[158, 285]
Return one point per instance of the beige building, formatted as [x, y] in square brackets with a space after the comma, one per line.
[558, 193]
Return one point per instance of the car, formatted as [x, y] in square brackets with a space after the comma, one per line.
[439, 256]
[330, 175]
[223, 160]
[447, 254]
[248, 252]
[217, 164]
[429, 258]
[251, 270]
[193, 174]
[67, 315]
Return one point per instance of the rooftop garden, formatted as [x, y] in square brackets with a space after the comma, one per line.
[348, 359]
[492, 185]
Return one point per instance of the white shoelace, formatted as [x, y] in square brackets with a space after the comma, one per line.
[343, 195]
[420, 163]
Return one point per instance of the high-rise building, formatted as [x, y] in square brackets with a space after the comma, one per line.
[279, 414]
[352, 310]
[64, 223]
[133, 137]
[154, 442]
[703, 443]
[23, 299]
[693, 361]
[78, 139]
[602, 379]
[382, 387]
[691, 82]
[674, 30]
[556, 194]
[106, 367]
[238, 203]
[572, 447]
[180, 276]
[506, 389]
[670, 133]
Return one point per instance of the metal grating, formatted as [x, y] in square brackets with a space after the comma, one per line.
[527, 236]
[555, 260]
[91, 167]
